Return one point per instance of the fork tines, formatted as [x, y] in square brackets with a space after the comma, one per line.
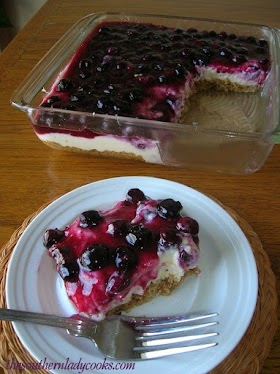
[167, 336]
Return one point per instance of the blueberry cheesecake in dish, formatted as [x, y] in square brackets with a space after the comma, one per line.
[113, 260]
[148, 72]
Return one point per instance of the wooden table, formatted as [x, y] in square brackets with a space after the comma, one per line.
[32, 174]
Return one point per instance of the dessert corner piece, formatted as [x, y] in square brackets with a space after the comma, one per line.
[148, 72]
[113, 260]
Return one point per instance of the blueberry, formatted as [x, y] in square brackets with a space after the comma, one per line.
[207, 51]
[262, 43]
[264, 61]
[95, 257]
[53, 99]
[212, 34]
[66, 264]
[84, 88]
[180, 71]
[143, 68]
[85, 64]
[188, 225]
[135, 195]
[169, 208]
[157, 66]
[222, 35]
[125, 258]
[162, 78]
[78, 96]
[192, 30]
[45, 105]
[133, 95]
[104, 104]
[200, 59]
[98, 82]
[226, 53]
[139, 236]
[52, 237]
[67, 106]
[260, 50]
[242, 51]
[90, 218]
[59, 254]
[85, 74]
[251, 39]
[239, 59]
[118, 282]
[117, 228]
[64, 85]
[69, 270]
[122, 65]
[184, 257]
[169, 237]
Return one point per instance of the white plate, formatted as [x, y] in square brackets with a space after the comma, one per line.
[228, 282]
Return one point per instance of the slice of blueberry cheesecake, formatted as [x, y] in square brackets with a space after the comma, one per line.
[113, 260]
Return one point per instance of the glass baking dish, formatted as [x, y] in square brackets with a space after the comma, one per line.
[234, 134]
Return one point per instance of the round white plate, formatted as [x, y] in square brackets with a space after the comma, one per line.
[228, 282]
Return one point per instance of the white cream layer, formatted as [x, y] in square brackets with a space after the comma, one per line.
[105, 143]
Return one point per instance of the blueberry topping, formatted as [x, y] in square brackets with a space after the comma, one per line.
[192, 30]
[180, 71]
[117, 228]
[52, 237]
[126, 258]
[85, 64]
[68, 107]
[225, 52]
[133, 95]
[262, 43]
[69, 271]
[169, 208]
[85, 74]
[239, 59]
[90, 218]
[184, 257]
[144, 56]
[53, 99]
[66, 264]
[95, 257]
[212, 34]
[188, 225]
[78, 96]
[118, 282]
[162, 79]
[264, 61]
[64, 85]
[139, 236]
[134, 196]
[222, 35]
[169, 237]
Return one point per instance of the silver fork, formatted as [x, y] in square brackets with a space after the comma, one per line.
[132, 338]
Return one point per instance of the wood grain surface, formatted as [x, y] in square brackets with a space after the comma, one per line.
[32, 174]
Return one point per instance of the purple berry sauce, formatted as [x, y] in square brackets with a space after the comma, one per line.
[140, 70]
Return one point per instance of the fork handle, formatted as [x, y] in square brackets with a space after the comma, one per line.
[70, 323]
